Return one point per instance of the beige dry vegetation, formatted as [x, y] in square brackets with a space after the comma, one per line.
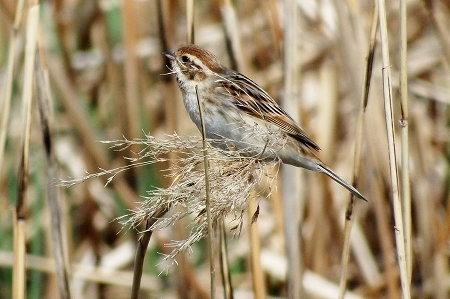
[98, 74]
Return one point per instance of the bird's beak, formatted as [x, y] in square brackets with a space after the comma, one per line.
[170, 54]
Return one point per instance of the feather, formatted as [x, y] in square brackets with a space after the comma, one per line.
[253, 100]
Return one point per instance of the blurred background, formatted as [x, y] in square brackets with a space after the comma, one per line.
[107, 79]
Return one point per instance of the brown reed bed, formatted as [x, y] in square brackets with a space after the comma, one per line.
[368, 81]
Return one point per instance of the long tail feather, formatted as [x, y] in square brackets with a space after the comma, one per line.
[346, 185]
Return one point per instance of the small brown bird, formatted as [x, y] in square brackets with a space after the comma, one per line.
[240, 115]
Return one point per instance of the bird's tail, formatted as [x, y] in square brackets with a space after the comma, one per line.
[331, 174]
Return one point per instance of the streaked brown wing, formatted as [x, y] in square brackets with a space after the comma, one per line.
[256, 102]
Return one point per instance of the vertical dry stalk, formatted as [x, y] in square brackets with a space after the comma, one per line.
[131, 68]
[293, 190]
[19, 225]
[139, 257]
[141, 250]
[368, 66]
[232, 36]
[259, 289]
[385, 237]
[19, 281]
[27, 92]
[165, 23]
[58, 241]
[190, 16]
[165, 36]
[207, 199]
[6, 104]
[346, 247]
[224, 264]
[405, 185]
[271, 9]
[397, 205]
[326, 116]
[231, 26]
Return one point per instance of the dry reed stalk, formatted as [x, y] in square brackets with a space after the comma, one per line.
[376, 146]
[405, 181]
[292, 178]
[391, 274]
[190, 17]
[368, 67]
[165, 23]
[259, 288]
[165, 36]
[23, 172]
[131, 104]
[232, 36]
[208, 207]
[232, 33]
[388, 106]
[19, 225]
[53, 195]
[224, 263]
[326, 117]
[346, 248]
[424, 190]
[18, 278]
[141, 249]
[5, 108]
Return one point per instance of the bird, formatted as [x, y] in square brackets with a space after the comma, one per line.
[239, 115]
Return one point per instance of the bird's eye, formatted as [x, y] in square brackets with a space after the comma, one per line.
[184, 58]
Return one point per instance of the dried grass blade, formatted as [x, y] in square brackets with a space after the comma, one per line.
[53, 195]
[5, 106]
[224, 264]
[292, 183]
[232, 38]
[141, 250]
[131, 105]
[27, 92]
[207, 199]
[259, 289]
[405, 180]
[388, 106]
[190, 17]
[19, 281]
[368, 66]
